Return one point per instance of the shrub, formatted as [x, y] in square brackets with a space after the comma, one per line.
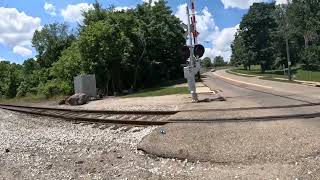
[23, 89]
[311, 58]
[55, 87]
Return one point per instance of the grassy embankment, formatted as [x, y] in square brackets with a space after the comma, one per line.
[160, 91]
[298, 74]
[164, 89]
[168, 88]
[30, 99]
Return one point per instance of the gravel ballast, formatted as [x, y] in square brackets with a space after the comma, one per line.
[45, 148]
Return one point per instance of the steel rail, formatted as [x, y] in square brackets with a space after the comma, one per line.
[95, 111]
[35, 111]
[63, 113]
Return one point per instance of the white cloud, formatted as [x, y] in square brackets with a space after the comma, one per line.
[50, 9]
[219, 40]
[152, 1]
[2, 59]
[205, 22]
[242, 4]
[73, 13]
[221, 43]
[181, 13]
[16, 30]
[281, 2]
[25, 52]
[122, 8]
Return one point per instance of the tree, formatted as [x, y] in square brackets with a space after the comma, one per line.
[285, 32]
[164, 38]
[30, 65]
[256, 28]
[103, 48]
[94, 15]
[29, 81]
[207, 62]
[137, 48]
[240, 53]
[50, 41]
[218, 61]
[10, 78]
[69, 64]
[304, 20]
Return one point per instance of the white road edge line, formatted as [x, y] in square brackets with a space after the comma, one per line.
[258, 85]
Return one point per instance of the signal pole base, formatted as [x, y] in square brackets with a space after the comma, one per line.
[194, 97]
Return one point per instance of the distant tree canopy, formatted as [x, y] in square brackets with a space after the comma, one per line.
[136, 48]
[207, 62]
[219, 61]
[50, 41]
[261, 38]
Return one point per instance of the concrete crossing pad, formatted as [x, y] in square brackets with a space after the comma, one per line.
[246, 142]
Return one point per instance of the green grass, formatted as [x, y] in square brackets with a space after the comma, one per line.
[30, 99]
[255, 71]
[299, 74]
[308, 75]
[160, 91]
[279, 80]
[236, 73]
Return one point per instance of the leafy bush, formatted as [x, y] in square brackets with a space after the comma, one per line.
[23, 89]
[55, 87]
[311, 58]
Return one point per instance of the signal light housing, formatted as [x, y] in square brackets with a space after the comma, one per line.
[199, 50]
[185, 53]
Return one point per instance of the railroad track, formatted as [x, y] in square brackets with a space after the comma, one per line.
[117, 119]
[97, 116]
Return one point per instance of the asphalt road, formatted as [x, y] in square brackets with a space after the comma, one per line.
[250, 98]
[266, 149]
[270, 92]
[267, 93]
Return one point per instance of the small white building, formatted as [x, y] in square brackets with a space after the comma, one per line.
[85, 84]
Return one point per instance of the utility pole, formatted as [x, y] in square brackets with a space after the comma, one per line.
[288, 58]
[287, 45]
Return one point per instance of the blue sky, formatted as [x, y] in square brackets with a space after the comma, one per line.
[217, 21]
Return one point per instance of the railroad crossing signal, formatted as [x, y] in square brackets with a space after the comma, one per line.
[198, 52]
[185, 53]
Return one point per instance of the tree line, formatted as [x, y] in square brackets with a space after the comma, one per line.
[264, 30]
[218, 61]
[135, 48]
